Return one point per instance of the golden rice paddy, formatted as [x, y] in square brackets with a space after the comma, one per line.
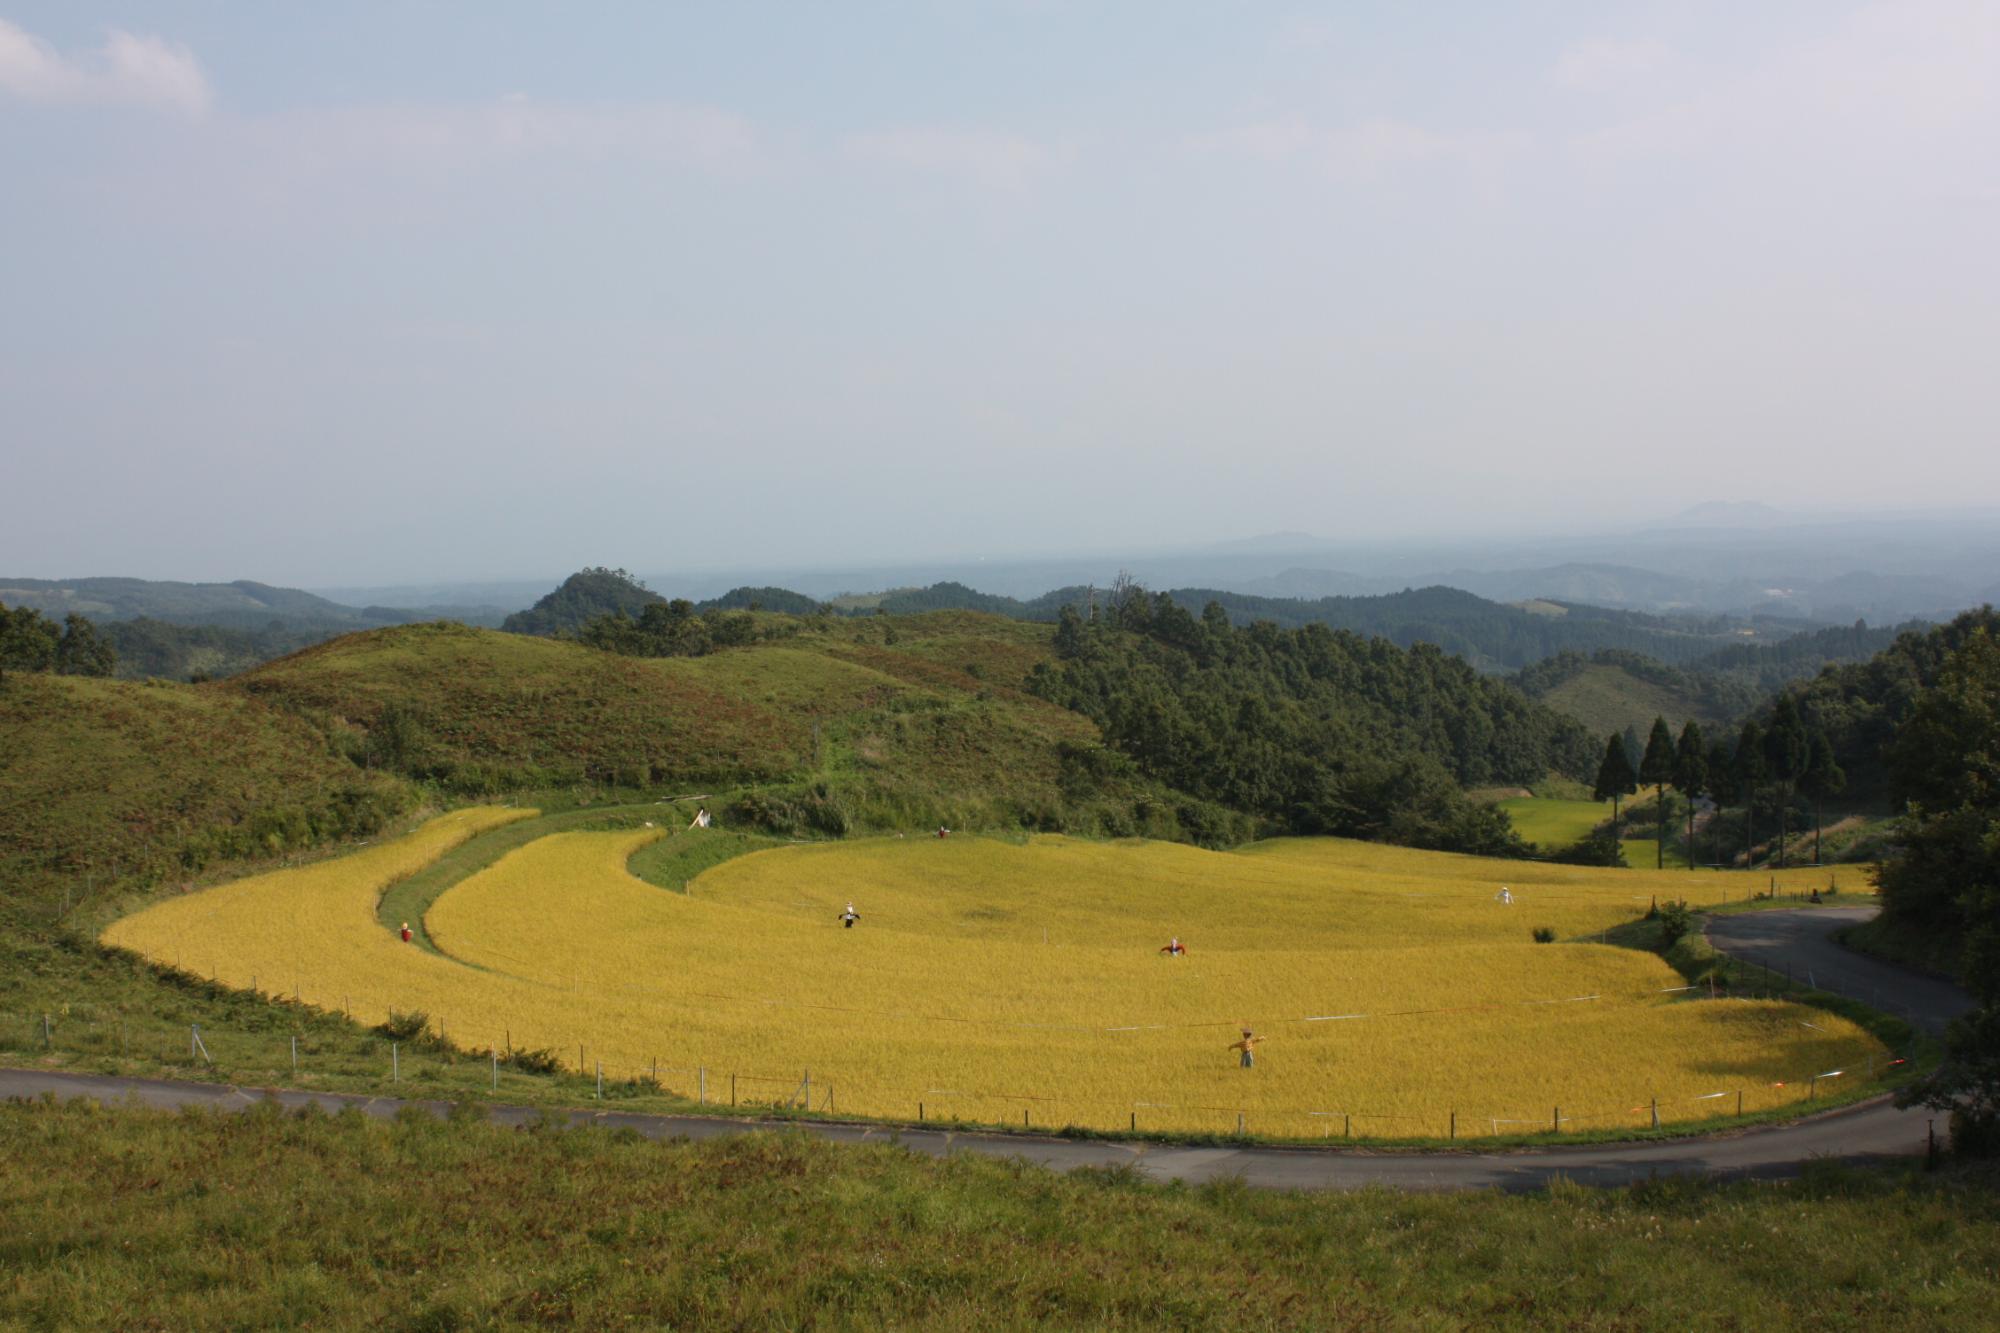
[991, 980]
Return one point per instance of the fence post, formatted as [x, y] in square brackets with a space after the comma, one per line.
[732, 1090]
[1024, 1120]
[1656, 1113]
[1812, 1087]
[496, 1070]
[1739, 1101]
[920, 1113]
[701, 1082]
[395, 1063]
[1454, 1125]
[808, 1086]
[1135, 1122]
[1239, 1124]
[600, 1080]
[48, 1041]
[1346, 1125]
[1559, 1120]
[295, 1057]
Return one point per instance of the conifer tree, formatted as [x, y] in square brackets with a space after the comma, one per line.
[1656, 770]
[1786, 751]
[1691, 774]
[1721, 777]
[1615, 778]
[1823, 777]
[1749, 771]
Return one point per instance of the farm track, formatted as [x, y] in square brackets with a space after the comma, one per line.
[1873, 1130]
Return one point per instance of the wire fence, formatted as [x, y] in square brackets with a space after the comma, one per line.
[343, 1057]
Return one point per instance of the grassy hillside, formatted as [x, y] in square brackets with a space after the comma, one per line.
[264, 1220]
[1607, 698]
[108, 782]
[119, 783]
[917, 721]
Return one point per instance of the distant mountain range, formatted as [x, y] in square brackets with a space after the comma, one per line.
[240, 605]
[1840, 599]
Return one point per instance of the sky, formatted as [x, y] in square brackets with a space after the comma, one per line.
[370, 293]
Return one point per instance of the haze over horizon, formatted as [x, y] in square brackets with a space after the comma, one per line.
[375, 295]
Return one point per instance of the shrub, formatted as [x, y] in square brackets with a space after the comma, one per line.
[400, 1026]
[1545, 934]
[1676, 920]
[539, 1061]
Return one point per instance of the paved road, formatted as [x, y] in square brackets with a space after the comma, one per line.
[1802, 943]
[1872, 1130]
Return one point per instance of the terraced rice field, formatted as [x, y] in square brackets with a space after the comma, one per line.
[988, 979]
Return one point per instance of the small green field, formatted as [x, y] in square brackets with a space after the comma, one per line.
[1553, 824]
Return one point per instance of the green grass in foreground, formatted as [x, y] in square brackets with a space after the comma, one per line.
[135, 1218]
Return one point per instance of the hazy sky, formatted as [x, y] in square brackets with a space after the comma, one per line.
[357, 292]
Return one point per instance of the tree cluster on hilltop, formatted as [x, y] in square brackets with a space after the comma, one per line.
[950, 596]
[782, 600]
[583, 597]
[668, 629]
[1316, 730]
[30, 641]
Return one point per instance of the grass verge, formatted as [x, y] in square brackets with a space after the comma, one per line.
[265, 1219]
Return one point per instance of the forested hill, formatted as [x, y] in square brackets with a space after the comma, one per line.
[1493, 636]
[1314, 729]
[591, 594]
[239, 605]
[581, 598]
[1612, 689]
[1860, 704]
[1764, 667]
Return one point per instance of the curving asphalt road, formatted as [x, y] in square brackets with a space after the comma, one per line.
[1800, 943]
[1869, 1131]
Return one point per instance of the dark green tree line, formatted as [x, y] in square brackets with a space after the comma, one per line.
[1315, 730]
[1945, 762]
[30, 641]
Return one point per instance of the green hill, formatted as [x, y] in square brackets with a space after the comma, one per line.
[912, 722]
[1606, 697]
[582, 597]
[242, 604]
[108, 783]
